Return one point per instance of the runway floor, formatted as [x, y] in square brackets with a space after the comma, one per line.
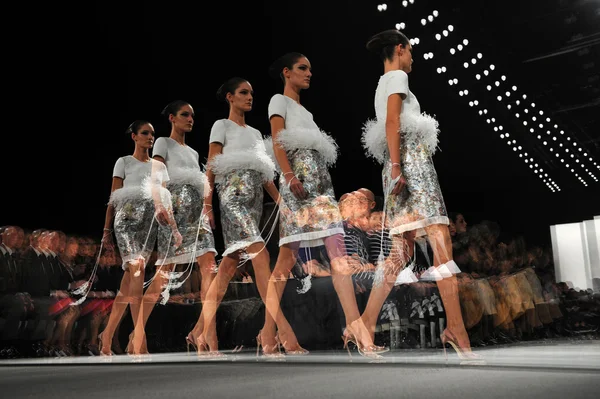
[563, 370]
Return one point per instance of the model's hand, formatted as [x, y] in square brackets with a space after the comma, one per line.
[162, 215]
[398, 180]
[296, 187]
[177, 238]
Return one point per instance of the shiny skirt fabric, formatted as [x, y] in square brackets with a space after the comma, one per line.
[135, 229]
[421, 203]
[240, 204]
[315, 217]
[193, 226]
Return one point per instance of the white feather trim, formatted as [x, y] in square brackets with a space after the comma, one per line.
[165, 195]
[416, 129]
[271, 153]
[313, 139]
[374, 140]
[190, 176]
[255, 159]
[122, 195]
[144, 191]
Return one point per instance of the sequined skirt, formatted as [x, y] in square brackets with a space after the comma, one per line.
[135, 229]
[193, 226]
[318, 215]
[240, 204]
[421, 203]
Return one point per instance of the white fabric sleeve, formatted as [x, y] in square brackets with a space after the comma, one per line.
[397, 83]
[119, 169]
[162, 173]
[160, 148]
[277, 106]
[217, 132]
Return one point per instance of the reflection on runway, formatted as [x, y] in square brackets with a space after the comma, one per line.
[549, 371]
[565, 355]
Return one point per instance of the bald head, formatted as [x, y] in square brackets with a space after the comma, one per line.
[367, 193]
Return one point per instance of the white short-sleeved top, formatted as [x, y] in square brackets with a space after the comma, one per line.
[295, 115]
[390, 83]
[134, 172]
[177, 157]
[234, 137]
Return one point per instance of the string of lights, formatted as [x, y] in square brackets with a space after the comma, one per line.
[551, 137]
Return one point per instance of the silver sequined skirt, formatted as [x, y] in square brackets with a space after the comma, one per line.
[194, 227]
[317, 216]
[135, 229]
[421, 203]
[240, 204]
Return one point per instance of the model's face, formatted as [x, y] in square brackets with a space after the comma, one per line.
[242, 98]
[184, 119]
[406, 59]
[300, 74]
[145, 136]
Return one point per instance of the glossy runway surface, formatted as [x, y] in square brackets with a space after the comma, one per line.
[561, 370]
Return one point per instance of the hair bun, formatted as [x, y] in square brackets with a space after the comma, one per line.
[275, 68]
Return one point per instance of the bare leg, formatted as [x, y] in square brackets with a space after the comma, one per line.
[207, 264]
[129, 294]
[262, 271]
[341, 277]
[401, 252]
[261, 262]
[274, 317]
[441, 244]
[149, 299]
[214, 296]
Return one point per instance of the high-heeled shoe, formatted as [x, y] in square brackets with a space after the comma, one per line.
[100, 347]
[299, 351]
[189, 340]
[375, 348]
[265, 353]
[466, 356]
[203, 350]
[130, 350]
[369, 352]
[129, 347]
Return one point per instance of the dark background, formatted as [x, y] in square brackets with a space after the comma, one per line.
[90, 72]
